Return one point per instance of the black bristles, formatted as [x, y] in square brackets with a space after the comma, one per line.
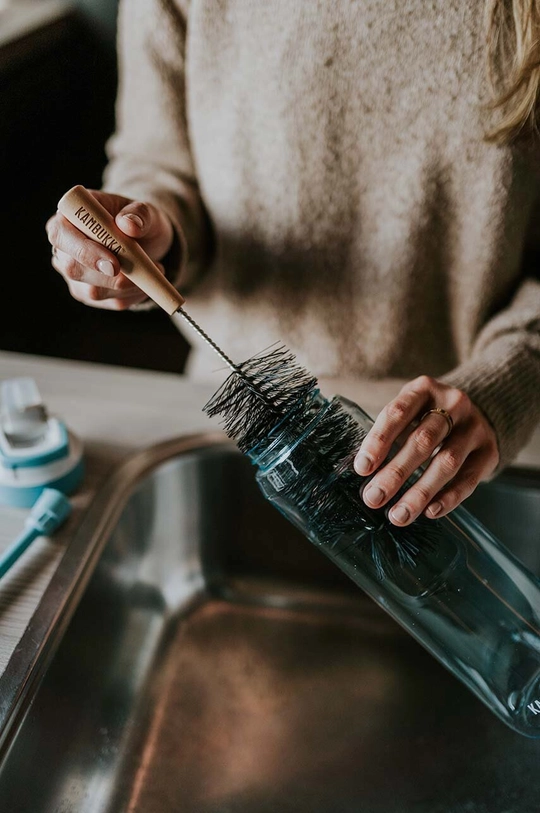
[269, 396]
[259, 394]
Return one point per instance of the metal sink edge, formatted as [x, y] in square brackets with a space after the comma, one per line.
[37, 647]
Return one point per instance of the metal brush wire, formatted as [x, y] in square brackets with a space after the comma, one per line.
[207, 339]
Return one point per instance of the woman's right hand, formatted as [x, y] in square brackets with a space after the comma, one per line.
[91, 271]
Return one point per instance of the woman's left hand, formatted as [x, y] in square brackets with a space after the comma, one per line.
[468, 452]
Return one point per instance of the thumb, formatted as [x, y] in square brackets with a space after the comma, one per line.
[147, 224]
[137, 219]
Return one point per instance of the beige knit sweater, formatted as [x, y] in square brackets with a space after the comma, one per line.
[354, 209]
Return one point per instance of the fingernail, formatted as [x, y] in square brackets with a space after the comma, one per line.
[362, 463]
[135, 219]
[434, 509]
[106, 267]
[374, 494]
[400, 513]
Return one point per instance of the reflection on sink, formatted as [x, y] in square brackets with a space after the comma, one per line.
[218, 663]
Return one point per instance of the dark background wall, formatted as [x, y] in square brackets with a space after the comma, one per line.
[57, 89]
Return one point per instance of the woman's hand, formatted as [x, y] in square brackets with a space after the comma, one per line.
[91, 271]
[467, 454]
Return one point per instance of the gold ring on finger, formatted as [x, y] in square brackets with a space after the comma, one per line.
[444, 414]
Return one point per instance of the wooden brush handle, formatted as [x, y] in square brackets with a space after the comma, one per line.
[90, 217]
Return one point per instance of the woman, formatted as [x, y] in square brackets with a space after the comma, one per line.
[333, 175]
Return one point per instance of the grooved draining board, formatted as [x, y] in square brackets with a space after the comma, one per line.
[23, 585]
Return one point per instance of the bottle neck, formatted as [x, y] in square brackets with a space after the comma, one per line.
[291, 430]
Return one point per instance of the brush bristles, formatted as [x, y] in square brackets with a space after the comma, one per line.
[263, 390]
[271, 395]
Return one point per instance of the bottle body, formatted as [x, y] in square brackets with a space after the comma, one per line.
[449, 582]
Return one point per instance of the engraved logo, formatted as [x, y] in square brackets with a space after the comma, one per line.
[97, 229]
[534, 707]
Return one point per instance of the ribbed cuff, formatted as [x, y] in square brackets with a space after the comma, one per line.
[504, 382]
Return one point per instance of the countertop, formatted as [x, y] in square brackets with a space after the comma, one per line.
[118, 412]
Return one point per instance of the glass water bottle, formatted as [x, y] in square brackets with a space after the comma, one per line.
[449, 582]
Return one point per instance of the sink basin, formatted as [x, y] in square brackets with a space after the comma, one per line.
[216, 662]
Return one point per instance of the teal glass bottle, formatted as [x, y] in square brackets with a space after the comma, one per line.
[449, 582]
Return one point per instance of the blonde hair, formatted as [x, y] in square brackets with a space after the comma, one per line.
[513, 28]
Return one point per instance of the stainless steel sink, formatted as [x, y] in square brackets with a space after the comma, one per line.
[218, 663]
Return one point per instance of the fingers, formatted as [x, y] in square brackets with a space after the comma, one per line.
[96, 297]
[92, 287]
[418, 448]
[478, 466]
[148, 225]
[468, 455]
[74, 271]
[91, 271]
[144, 222]
[391, 422]
[443, 469]
[76, 256]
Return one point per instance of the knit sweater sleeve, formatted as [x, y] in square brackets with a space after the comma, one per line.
[502, 374]
[149, 154]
